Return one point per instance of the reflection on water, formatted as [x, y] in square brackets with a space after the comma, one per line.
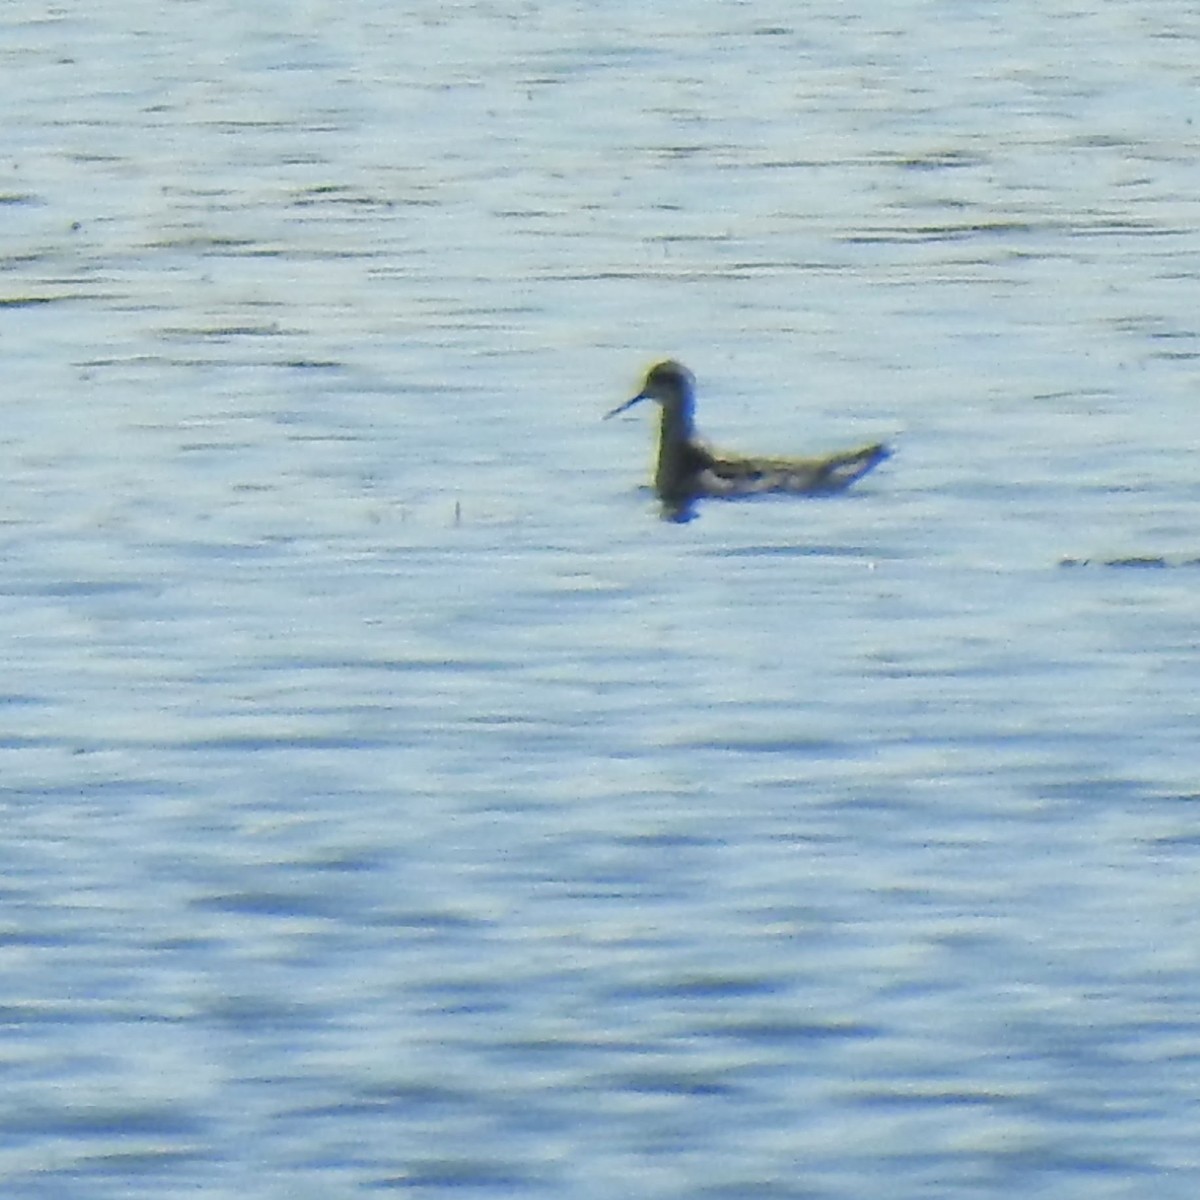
[1136, 561]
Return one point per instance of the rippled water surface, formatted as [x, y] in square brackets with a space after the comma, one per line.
[392, 803]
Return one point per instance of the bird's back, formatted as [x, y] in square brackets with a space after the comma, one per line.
[735, 475]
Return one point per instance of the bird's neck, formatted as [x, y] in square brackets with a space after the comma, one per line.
[673, 476]
[677, 426]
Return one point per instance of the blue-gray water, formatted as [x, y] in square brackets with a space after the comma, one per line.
[392, 803]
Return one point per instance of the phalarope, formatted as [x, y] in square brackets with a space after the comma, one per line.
[688, 470]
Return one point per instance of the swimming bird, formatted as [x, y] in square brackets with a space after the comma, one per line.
[688, 470]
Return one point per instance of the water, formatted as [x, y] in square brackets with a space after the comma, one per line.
[393, 804]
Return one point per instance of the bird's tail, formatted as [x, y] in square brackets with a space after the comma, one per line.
[839, 471]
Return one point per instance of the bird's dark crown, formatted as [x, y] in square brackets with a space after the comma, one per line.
[668, 379]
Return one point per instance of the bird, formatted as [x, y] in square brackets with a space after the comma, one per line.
[688, 470]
